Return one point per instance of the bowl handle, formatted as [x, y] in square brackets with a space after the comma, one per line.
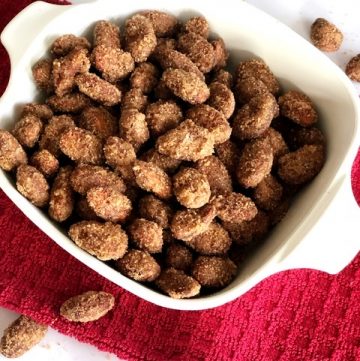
[22, 29]
[333, 243]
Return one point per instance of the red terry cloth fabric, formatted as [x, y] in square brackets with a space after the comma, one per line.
[294, 315]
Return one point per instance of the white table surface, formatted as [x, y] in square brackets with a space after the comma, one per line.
[298, 14]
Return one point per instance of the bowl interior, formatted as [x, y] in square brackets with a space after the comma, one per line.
[247, 33]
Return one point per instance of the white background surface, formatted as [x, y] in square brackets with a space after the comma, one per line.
[298, 14]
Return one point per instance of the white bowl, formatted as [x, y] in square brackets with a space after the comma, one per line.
[247, 32]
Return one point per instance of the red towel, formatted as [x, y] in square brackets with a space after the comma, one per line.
[294, 315]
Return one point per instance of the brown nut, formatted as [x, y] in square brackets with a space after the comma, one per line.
[279, 212]
[224, 77]
[81, 146]
[145, 77]
[277, 142]
[61, 202]
[146, 235]
[41, 72]
[105, 241]
[248, 88]
[167, 164]
[162, 45]
[254, 118]
[216, 173]
[259, 70]
[114, 64]
[27, 130]
[87, 307]
[235, 207]
[162, 116]
[325, 35]
[353, 68]
[22, 335]
[11, 152]
[32, 185]
[198, 25]
[98, 121]
[84, 211]
[177, 284]
[228, 153]
[85, 177]
[42, 111]
[161, 91]
[118, 152]
[69, 103]
[106, 34]
[45, 162]
[64, 44]
[153, 179]
[109, 203]
[191, 188]
[179, 257]
[198, 49]
[306, 136]
[52, 132]
[188, 141]
[164, 24]
[268, 193]
[98, 89]
[222, 99]
[298, 107]
[140, 37]
[133, 128]
[255, 162]
[214, 241]
[213, 271]
[302, 165]
[155, 210]
[186, 85]
[134, 99]
[221, 55]
[138, 265]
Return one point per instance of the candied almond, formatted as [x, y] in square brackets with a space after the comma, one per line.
[228, 154]
[118, 152]
[27, 130]
[134, 99]
[224, 77]
[268, 193]
[155, 210]
[41, 72]
[221, 55]
[353, 68]
[68, 42]
[145, 77]
[178, 257]
[45, 162]
[164, 24]
[248, 88]
[198, 25]
[69, 103]
[277, 142]
[107, 34]
[167, 164]
[11, 152]
[325, 35]
[42, 111]
[222, 99]
[306, 136]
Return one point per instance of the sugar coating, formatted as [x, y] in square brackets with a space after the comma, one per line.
[277, 143]
[198, 25]
[98, 89]
[41, 72]
[133, 128]
[27, 130]
[164, 24]
[259, 70]
[153, 179]
[221, 55]
[255, 162]
[85, 177]
[22, 335]
[64, 44]
[114, 64]
[167, 164]
[235, 207]
[140, 37]
[42, 111]
[125, 171]
[216, 173]
[213, 120]
[188, 141]
[155, 210]
[177, 284]
[214, 241]
[61, 204]
[268, 193]
[11, 152]
[302, 165]
[50, 137]
[191, 188]
[84, 211]
[213, 271]
[81, 146]
[228, 153]
[134, 99]
[298, 107]
[107, 34]
[186, 85]
[353, 68]
[162, 45]
[69, 103]
[145, 77]
[198, 49]
[249, 87]
[162, 116]
[98, 121]
[325, 35]
[32, 185]
[178, 257]
[87, 307]
[222, 99]
[45, 162]
[139, 265]
[255, 117]
[118, 152]
[306, 136]
[105, 241]
[224, 77]
[161, 91]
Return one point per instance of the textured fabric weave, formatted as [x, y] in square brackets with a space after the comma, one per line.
[293, 315]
